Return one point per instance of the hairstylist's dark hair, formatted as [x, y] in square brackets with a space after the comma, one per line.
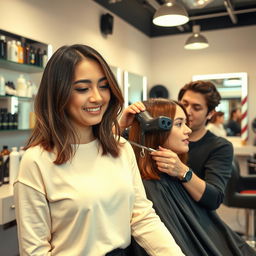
[53, 130]
[155, 107]
[208, 89]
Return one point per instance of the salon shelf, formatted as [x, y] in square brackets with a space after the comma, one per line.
[25, 68]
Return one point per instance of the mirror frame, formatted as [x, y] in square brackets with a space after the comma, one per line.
[126, 86]
[244, 96]
[118, 75]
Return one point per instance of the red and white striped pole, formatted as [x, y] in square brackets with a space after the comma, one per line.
[244, 109]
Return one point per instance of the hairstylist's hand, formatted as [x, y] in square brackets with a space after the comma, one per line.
[129, 113]
[167, 161]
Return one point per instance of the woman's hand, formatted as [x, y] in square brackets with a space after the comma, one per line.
[167, 161]
[129, 114]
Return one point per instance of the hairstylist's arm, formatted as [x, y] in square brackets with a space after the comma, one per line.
[167, 161]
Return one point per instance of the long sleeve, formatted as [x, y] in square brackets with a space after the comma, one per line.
[33, 221]
[214, 167]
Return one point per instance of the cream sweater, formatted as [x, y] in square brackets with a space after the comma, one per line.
[86, 207]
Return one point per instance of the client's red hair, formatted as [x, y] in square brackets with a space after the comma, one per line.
[155, 107]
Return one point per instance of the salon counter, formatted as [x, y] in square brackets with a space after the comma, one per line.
[7, 208]
[240, 149]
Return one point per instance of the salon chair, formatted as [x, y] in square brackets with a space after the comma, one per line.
[241, 193]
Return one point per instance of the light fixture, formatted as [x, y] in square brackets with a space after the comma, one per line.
[196, 41]
[201, 3]
[170, 14]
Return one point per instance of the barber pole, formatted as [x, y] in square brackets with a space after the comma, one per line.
[244, 121]
[244, 108]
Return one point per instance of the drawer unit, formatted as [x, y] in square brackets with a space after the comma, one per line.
[7, 208]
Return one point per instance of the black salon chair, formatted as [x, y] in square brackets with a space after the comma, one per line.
[241, 193]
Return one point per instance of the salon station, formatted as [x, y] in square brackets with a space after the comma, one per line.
[149, 60]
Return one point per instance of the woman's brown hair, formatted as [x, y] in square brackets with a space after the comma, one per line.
[53, 130]
[155, 107]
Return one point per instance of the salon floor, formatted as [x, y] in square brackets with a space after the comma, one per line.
[235, 219]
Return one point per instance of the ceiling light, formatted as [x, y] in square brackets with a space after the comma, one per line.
[201, 3]
[196, 41]
[170, 14]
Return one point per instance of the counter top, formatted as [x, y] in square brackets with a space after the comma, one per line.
[240, 148]
[5, 191]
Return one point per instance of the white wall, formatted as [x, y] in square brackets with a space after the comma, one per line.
[163, 60]
[231, 50]
[60, 22]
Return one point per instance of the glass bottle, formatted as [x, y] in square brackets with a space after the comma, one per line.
[5, 167]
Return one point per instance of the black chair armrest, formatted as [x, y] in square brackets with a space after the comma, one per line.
[247, 182]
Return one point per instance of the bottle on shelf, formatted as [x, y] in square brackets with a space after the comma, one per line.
[14, 51]
[9, 50]
[1, 170]
[45, 59]
[9, 121]
[20, 52]
[2, 86]
[15, 121]
[4, 119]
[14, 163]
[5, 153]
[3, 47]
[39, 58]
[32, 56]
[26, 53]
[21, 86]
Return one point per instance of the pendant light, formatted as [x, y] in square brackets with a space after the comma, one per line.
[196, 41]
[170, 14]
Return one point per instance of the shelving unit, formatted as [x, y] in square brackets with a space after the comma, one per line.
[13, 137]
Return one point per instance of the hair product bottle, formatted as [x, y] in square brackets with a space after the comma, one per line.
[2, 86]
[3, 47]
[21, 86]
[20, 52]
[14, 51]
[1, 170]
[5, 167]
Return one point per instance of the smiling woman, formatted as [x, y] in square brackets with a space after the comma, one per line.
[79, 191]
[89, 98]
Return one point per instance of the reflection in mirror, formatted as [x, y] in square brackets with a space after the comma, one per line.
[233, 90]
[135, 88]
[118, 75]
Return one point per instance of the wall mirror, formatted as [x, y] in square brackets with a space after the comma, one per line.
[135, 88]
[233, 89]
[118, 75]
